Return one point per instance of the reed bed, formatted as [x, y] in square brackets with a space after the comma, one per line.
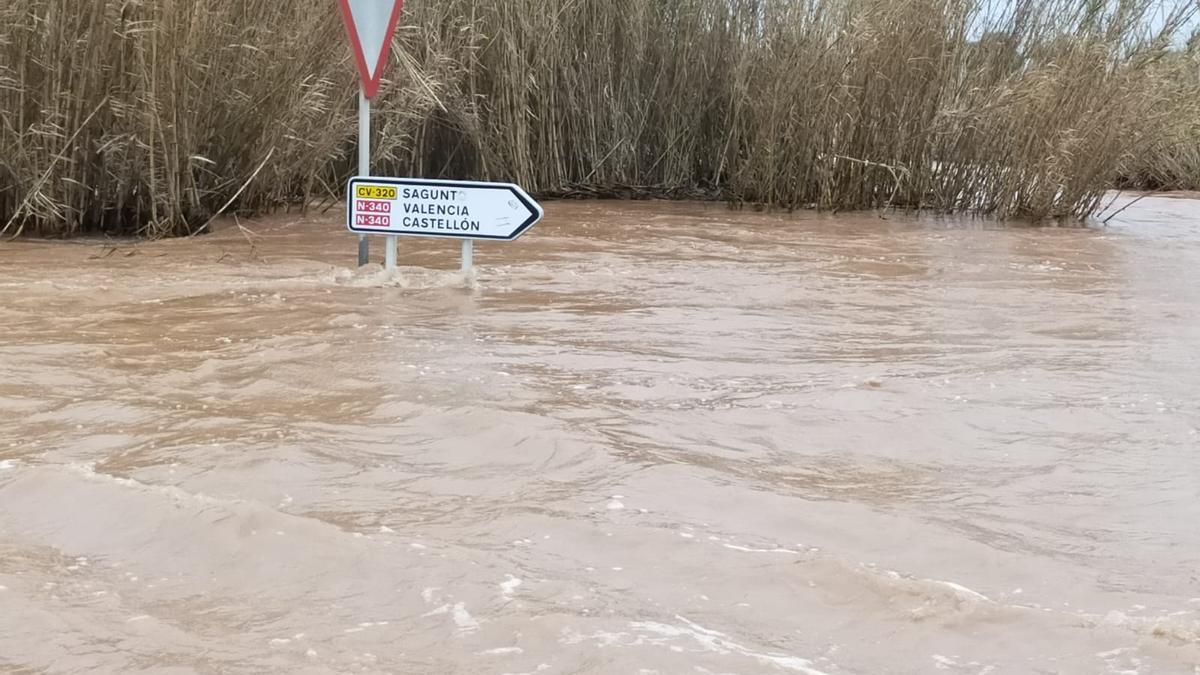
[153, 116]
[1171, 159]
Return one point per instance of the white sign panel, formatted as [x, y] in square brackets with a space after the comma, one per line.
[423, 207]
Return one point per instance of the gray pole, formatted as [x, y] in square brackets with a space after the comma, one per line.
[389, 253]
[468, 256]
[364, 164]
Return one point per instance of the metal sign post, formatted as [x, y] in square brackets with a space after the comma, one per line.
[421, 207]
[370, 25]
[468, 256]
[364, 163]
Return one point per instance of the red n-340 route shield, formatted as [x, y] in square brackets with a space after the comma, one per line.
[371, 25]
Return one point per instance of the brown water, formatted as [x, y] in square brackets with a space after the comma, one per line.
[651, 438]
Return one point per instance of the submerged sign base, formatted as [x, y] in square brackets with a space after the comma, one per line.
[421, 207]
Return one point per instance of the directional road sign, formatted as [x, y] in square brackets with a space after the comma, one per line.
[371, 24]
[423, 207]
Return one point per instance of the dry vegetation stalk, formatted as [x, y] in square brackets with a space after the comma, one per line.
[151, 116]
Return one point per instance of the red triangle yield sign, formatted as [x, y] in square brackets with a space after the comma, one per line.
[371, 24]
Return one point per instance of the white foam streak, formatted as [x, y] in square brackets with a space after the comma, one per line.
[719, 643]
[510, 586]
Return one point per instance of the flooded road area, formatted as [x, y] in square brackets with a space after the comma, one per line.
[648, 438]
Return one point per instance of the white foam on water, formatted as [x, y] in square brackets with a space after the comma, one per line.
[510, 586]
[1122, 661]
[88, 472]
[502, 651]
[615, 505]
[962, 591]
[1170, 627]
[411, 278]
[463, 619]
[7, 464]
[459, 614]
[943, 662]
[604, 638]
[1179, 626]
[427, 594]
[720, 643]
[661, 635]
[747, 549]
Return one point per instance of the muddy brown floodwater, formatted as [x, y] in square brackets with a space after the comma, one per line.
[652, 438]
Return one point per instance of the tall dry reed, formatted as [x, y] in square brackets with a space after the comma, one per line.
[1171, 160]
[152, 116]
